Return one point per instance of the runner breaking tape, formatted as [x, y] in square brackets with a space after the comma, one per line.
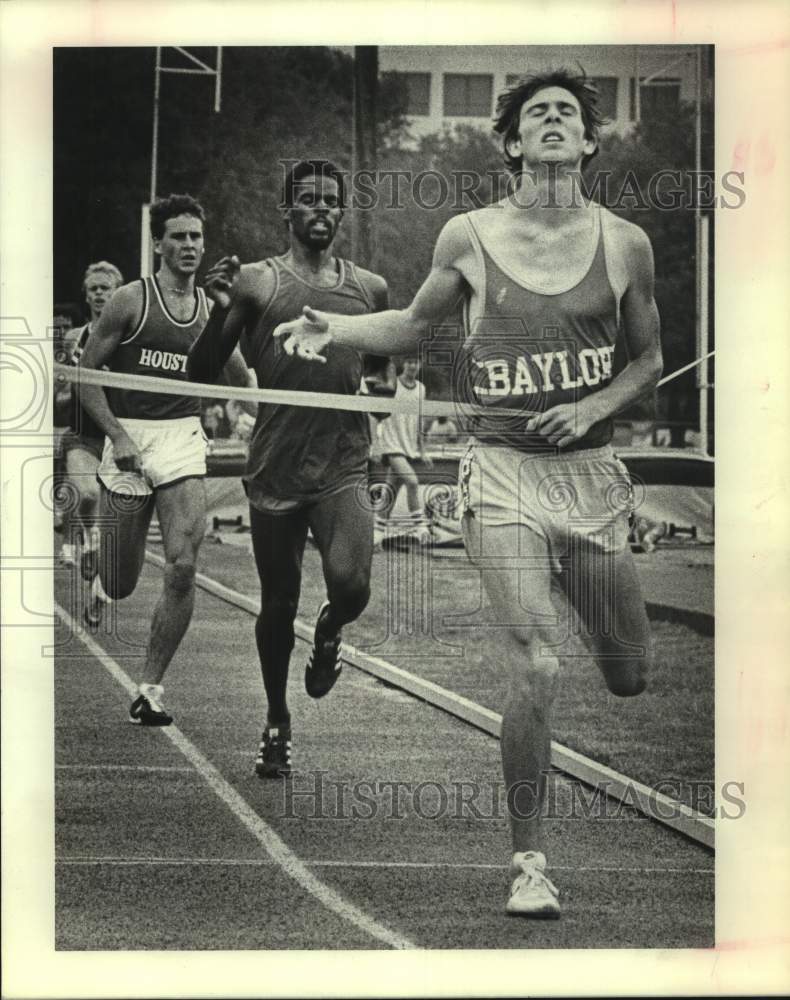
[548, 281]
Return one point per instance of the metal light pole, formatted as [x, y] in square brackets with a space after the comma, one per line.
[202, 70]
[155, 140]
[702, 250]
[363, 149]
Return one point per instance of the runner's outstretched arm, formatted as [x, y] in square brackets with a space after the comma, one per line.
[394, 331]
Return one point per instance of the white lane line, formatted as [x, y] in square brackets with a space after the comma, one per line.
[123, 767]
[459, 865]
[274, 846]
[654, 804]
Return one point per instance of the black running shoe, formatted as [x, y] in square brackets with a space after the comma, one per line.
[89, 564]
[147, 709]
[324, 666]
[274, 753]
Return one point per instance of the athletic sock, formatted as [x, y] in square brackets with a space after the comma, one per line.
[520, 856]
[155, 691]
[98, 593]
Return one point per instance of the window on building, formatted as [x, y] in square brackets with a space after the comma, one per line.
[607, 96]
[656, 98]
[416, 89]
[468, 95]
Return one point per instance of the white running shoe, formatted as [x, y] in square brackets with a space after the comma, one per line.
[532, 893]
[68, 557]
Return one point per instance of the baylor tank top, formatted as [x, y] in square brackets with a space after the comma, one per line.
[529, 351]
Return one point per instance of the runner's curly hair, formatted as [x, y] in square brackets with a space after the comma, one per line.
[171, 206]
[510, 102]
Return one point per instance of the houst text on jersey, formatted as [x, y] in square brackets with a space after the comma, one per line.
[163, 361]
[526, 374]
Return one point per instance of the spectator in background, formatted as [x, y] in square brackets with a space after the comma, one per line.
[65, 317]
[241, 423]
[213, 419]
[83, 444]
[443, 430]
[401, 442]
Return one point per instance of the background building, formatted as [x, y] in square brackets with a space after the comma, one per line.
[454, 85]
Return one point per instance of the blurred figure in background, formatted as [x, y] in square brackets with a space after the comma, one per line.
[65, 316]
[213, 420]
[83, 442]
[401, 444]
[241, 424]
[443, 430]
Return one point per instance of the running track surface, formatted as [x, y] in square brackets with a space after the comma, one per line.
[166, 839]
